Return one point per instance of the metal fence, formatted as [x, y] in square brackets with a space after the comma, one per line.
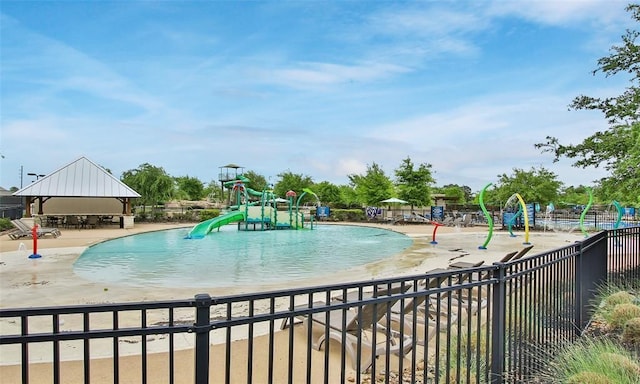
[566, 220]
[489, 324]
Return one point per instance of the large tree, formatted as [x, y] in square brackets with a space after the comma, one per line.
[327, 192]
[190, 187]
[573, 196]
[256, 181]
[461, 194]
[290, 181]
[534, 186]
[414, 185]
[152, 183]
[372, 187]
[617, 149]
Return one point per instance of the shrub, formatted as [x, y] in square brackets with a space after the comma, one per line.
[631, 331]
[589, 378]
[622, 362]
[620, 297]
[5, 224]
[593, 361]
[622, 313]
[207, 214]
[348, 215]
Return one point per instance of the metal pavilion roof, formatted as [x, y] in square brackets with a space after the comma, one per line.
[80, 178]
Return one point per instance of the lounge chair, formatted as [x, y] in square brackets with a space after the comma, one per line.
[467, 301]
[27, 232]
[468, 264]
[353, 326]
[424, 315]
[511, 256]
[16, 234]
[468, 220]
[449, 221]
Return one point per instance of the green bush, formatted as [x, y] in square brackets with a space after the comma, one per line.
[631, 331]
[184, 217]
[207, 214]
[622, 313]
[620, 297]
[5, 224]
[593, 361]
[589, 378]
[347, 215]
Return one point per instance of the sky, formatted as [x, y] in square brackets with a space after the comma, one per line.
[317, 88]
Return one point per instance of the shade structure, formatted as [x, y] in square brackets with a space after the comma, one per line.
[394, 200]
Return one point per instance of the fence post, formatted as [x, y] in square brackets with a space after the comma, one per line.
[498, 324]
[201, 329]
[591, 275]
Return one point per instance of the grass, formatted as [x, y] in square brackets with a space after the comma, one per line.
[591, 360]
[608, 352]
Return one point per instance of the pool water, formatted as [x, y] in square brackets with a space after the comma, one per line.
[235, 258]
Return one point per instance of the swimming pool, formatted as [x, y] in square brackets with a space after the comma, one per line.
[235, 258]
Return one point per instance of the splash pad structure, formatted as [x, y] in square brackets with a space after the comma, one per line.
[259, 215]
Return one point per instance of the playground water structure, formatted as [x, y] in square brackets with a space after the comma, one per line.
[251, 216]
[236, 258]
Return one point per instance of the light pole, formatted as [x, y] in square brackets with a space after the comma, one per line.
[37, 175]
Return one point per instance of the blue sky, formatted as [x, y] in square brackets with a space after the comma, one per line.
[317, 88]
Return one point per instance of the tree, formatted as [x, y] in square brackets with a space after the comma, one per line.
[152, 183]
[373, 187]
[213, 191]
[327, 192]
[617, 149]
[290, 181]
[573, 196]
[348, 197]
[191, 187]
[534, 186]
[414, 185]
[256, 182]
[456, 191]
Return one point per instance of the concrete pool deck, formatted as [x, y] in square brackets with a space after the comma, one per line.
[50, 280]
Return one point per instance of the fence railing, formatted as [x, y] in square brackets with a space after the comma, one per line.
[490, 324]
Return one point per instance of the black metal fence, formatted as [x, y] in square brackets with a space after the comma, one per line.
[489, 324]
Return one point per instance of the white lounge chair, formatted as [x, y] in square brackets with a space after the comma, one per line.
[28, 232]
[355, 326]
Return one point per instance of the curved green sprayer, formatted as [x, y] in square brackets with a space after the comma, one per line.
[619, 217]
[513, 220]
[584, 212]
[488, 216]
[304, 192]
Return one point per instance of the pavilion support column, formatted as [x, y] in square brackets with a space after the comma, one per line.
[40, 203]
[126, 206]
[28, 201]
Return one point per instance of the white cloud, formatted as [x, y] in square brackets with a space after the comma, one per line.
[594, 12]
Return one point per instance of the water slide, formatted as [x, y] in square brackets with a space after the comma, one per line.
[253, 192]
[203, 228]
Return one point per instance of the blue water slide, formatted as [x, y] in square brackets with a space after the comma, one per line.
[201, 229]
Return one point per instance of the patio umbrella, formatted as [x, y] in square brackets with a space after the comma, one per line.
[394, 200]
